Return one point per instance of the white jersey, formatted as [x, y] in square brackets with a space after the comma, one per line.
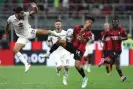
[92, 39]
[89, 47]
[21, 27]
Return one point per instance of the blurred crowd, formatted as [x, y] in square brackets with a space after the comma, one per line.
[72, 8]
[75, 7]
[128, 44]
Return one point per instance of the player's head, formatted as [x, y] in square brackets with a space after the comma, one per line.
[58, 24]
[89, 21]
[106, 26]
[115, 23]
[19, 12]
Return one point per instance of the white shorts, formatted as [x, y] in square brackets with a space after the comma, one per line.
[88, 50]
[25, 39]
[61, 57]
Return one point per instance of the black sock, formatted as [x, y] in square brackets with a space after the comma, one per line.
[53, 48]
[107, 69]
[119, 72]
[81, 71]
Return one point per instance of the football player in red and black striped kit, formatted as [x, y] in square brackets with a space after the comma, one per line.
[81, 35]
[104, 38]
[116, 35]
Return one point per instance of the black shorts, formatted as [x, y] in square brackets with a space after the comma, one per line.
[53, 48]
[107, 53]
[116, 58]
[111, 53]
[116, 53]
[77, 54]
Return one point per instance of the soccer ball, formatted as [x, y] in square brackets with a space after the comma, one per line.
[69, 32]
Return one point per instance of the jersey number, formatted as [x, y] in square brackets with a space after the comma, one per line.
[21, 26]
[77, 52]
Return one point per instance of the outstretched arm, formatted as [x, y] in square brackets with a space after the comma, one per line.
[6, 29]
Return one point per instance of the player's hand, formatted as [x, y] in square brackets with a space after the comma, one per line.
[82, 30]
[33, 5]
[79, 38]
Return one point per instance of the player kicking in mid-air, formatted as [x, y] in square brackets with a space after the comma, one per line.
[81, 35]
[61, 56]
[116, 36]
[107, 47]
[23, 30]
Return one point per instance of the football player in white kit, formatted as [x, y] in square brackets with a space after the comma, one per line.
[60, 56]
[23, 30]
[88, 54]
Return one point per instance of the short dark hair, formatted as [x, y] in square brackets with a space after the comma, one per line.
[58, 20]
[90, 18]
[115, 18]
[18, 9]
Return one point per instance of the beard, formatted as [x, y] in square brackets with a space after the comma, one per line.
[115, 26]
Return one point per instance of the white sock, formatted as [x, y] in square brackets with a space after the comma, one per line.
[89, 65]
[21, 58]
[85, 66]
[65, 73]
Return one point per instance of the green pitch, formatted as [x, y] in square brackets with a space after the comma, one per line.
[41, 77]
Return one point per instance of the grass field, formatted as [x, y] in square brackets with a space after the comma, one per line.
[41, 77]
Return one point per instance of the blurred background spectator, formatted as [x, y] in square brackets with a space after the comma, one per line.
[75, 7]
[106, 10]
[9, 5]
[71, 12]
[95, 11]
[4, 44]
[128, 44]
